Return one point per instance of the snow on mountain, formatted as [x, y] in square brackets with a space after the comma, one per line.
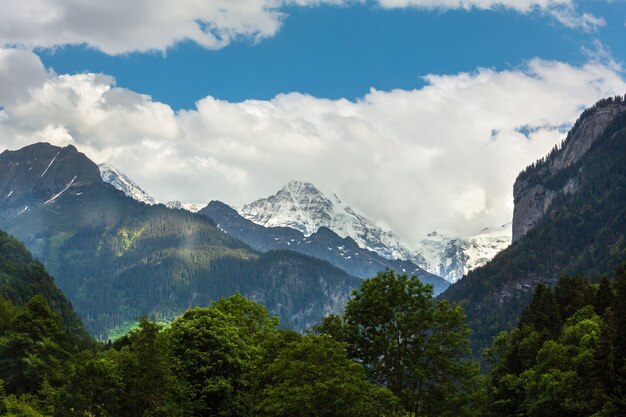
[453, 257]
[192, 207]
[119, 180]
[301, 206]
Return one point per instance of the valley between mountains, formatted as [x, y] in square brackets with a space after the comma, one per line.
[550, 306]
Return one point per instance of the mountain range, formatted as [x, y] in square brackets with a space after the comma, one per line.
[303, 208]
[116, 258]
[343, 252]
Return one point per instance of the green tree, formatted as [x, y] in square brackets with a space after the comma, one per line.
[575, 371]
[34, 347]
[619, 322]
[94, 388]
[604, 296]
[150, 387]
[543, 312]
[249, 317]
[416, 347]
[3, 406]
[22, 406]
[313, 377]
[561, 383]
[210, 357]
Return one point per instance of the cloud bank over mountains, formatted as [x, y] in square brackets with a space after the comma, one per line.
[440, 157]
[118, 27]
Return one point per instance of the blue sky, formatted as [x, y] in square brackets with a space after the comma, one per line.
[335, 52]
[418, 113]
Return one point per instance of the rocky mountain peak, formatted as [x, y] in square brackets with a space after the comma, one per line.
[533, 191]
[298, 205]
[302, 206]
[39, 174]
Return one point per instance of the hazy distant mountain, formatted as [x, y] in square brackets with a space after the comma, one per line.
[303, 207]
[117, 259]
[323, 244]
[453, 257]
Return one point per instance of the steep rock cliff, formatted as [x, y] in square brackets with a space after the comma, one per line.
[538, 185]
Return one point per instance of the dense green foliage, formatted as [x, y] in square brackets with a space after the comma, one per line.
[232, 359]
[22, 278]
[395, 351]
[117, 259]
[567, 356]
[583, 233]
[315, 378]
[229, 359]
[416, 347]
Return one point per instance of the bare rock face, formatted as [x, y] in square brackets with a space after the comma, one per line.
[536, 187]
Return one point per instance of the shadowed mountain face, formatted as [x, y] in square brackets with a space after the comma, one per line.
[22, 277]
[324, 244]
[581, 229]
[117, 259]
[38, 174]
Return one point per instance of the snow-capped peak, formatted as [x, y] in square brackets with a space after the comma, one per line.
[119, 180]
[298, 205]
[452, 257]
[302, 206]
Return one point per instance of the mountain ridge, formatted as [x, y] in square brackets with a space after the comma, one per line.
[114, 176]
[117, 259]
[582, 232]
[302, 206]
[324, 244]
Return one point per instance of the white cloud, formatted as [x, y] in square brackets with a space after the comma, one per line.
[20, 70]
[518, 5]
[564, 11]
[570, 18]
[442, 157]
[119, 26]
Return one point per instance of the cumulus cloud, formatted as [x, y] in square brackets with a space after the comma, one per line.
[118, 26]
[441, 157]
[20, 71]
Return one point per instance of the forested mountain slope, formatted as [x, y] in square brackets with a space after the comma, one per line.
[581, 231]
[117, 259]
[22, 278]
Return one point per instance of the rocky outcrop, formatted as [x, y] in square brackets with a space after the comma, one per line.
[538, 185]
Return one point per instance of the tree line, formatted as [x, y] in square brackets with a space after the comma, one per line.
[395, 351]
